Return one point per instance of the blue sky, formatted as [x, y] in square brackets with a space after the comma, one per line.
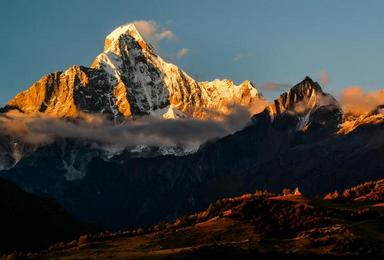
[264, 41]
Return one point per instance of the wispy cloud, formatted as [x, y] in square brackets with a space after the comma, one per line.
[153, 32]
[182, 52]
[324, 78]
[242, 56]
[273, 86]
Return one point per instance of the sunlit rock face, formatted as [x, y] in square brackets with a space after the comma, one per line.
[66, 94]
[127, 80]
[305, 107]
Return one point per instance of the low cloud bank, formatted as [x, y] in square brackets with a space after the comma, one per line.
[39, 129]
[356, 100]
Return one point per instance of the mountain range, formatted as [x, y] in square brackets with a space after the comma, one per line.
[301, 139]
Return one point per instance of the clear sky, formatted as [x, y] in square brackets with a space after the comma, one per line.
[264, 41]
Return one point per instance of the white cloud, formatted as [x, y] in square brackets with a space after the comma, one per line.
[152, 32]
[182, 52]
[168, 34]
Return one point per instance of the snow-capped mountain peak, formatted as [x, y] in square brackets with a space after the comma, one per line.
[112, 39]
[158, 88]
[302, 98]
[305, 106]
[128, 80]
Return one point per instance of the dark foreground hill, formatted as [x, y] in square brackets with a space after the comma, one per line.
[28, 222]
[258, 225]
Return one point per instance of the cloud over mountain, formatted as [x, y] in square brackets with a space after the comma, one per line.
[354, 99]
[182, 52]
[152, 32]
[42, 129]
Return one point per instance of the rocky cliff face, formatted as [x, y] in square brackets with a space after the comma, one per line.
[127, 80]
